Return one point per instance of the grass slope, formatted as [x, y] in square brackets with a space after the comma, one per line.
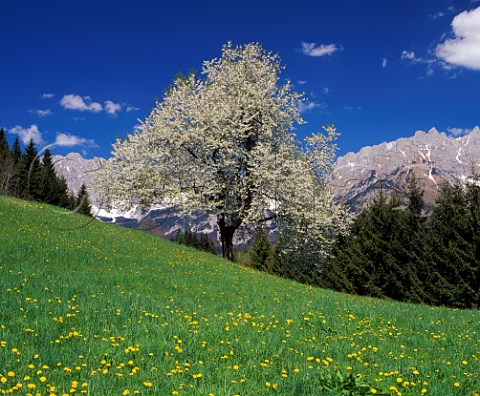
[90, 308]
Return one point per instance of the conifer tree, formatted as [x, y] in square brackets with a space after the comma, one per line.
[453, 250]
[473, 203]
[65, 200]
[413, 244]
[206, 244]
[180, 237]
[31, 172]
[19, 182]
[375, 258]
[82, 202]
[17, 150]
[261, 250]
[47, 190]
[7, 167]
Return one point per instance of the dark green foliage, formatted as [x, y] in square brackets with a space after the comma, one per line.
[197, 241]
[261, 251]
[47, 181]
[453, 238]
[28, 176]
[82, 202]
[65, 199]
[7, 166]
[371, 256]
[31, 162]
[19, 185]
[400, 252]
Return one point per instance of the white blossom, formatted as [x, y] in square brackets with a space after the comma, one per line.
[224, 143]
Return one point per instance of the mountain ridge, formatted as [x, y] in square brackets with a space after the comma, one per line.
[435, 157]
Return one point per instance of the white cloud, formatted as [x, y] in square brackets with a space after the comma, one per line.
[76, 102]
[67, 140]
[412, 58]
[464, 48]
[132, 108]
[437, 15]
[384, 63]
[27, 134]
[42, 113]
[326, 90]
[303, 106]
[409, 55]
[112, 108]
[311, 49]
[458, 131]
[47, 95]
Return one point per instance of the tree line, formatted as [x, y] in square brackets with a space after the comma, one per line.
[27, 175]
[397, 250]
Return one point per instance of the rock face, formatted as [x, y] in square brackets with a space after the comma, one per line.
[435, 158]
[77, 170]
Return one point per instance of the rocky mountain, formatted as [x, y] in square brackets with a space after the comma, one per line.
[435, 157]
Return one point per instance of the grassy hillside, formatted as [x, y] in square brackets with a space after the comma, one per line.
[90, 308]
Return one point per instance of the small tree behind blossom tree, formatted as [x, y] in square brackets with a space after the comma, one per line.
[224, 143]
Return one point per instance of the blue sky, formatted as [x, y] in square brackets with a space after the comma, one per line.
[78, 72]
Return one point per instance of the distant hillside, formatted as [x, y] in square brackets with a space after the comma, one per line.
[102, 310]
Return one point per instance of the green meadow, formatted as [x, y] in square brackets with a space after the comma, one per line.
[91, 308]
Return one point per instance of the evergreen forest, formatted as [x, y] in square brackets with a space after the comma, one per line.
[28, 175]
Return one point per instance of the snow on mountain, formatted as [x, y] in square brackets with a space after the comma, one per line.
[435, 157]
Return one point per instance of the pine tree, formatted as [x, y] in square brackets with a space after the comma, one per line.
[17, 151]
[32, 166]
[412, 241]
[82, 202]
[65, 199]
[375, 258]
[277, 262]
[7, 166]
[473, 203]
[47, 190]
[261, 250]
[19, 185]
[206, 244]
[180, 237]
[453, 250]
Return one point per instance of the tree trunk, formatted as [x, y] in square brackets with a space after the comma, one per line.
[226, 236]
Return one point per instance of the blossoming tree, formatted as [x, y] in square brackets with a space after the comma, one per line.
[224, 143]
